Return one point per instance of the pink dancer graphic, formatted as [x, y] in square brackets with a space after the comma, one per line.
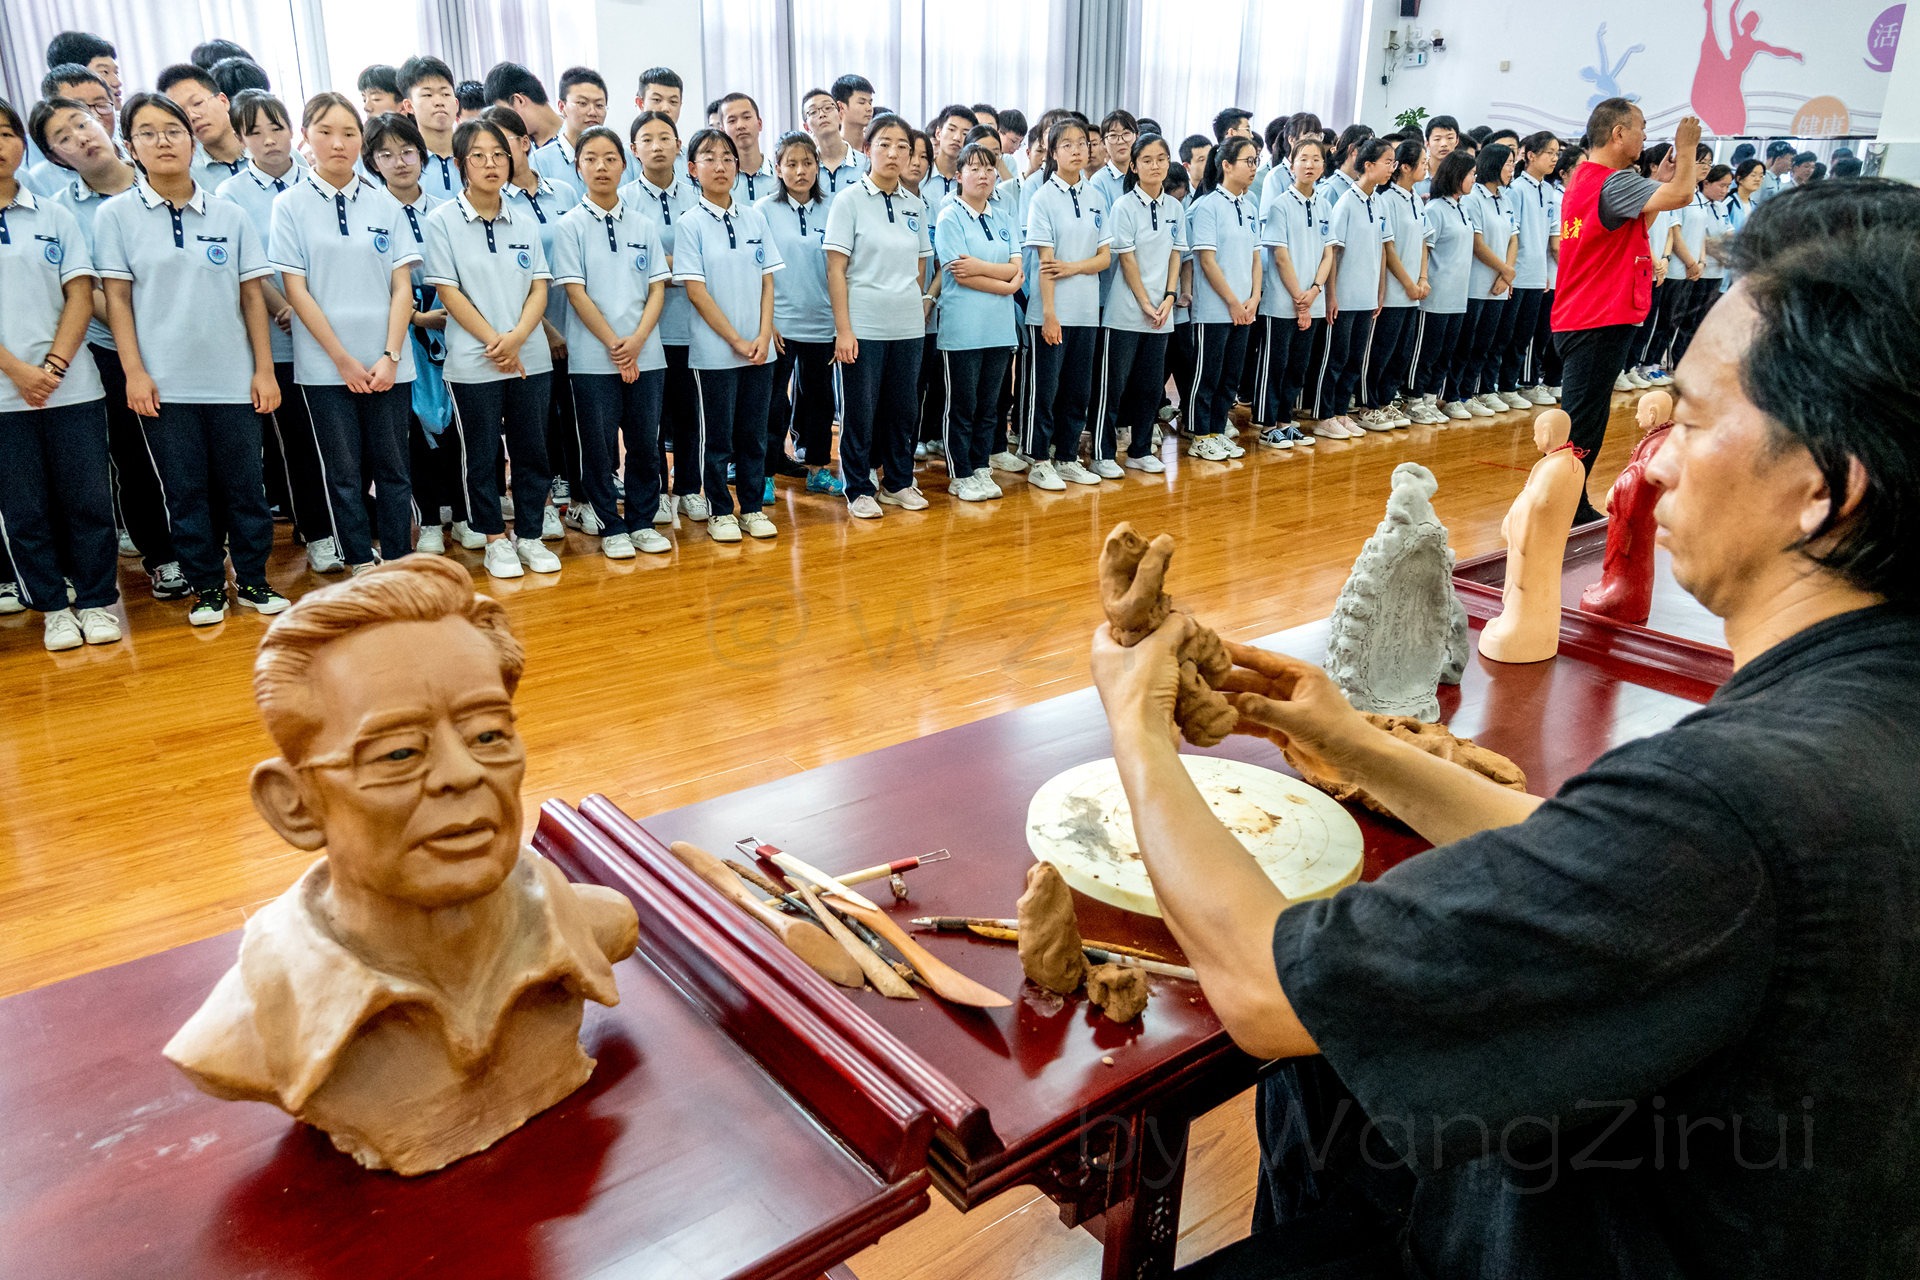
[1718, 98]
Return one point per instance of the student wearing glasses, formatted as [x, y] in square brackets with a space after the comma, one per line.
[485, 257]
[171, 249]
[341, 245]
[840, 164]
[219, 154]
[54, 469]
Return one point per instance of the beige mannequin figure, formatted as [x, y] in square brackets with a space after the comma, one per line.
[1536, 527]
[417, 994]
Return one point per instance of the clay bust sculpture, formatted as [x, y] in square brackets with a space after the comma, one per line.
[417, 994]
[1536, 527]
[1625, 589]
[1399, 631]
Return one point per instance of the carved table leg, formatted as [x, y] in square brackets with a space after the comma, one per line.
[1149, 1174]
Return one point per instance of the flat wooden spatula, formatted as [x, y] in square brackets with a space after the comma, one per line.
[942, 979]
[808, 941]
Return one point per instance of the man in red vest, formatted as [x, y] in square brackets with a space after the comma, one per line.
[1606, 264]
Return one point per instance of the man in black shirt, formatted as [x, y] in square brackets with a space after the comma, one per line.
[1663, 1023]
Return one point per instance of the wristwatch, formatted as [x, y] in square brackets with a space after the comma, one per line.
[392, 355]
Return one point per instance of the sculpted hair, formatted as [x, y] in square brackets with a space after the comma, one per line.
[411, 589]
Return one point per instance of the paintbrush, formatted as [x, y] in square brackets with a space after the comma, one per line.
[1100, 956]
[1009, 931]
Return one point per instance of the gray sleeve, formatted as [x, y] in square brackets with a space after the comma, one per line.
[1624, 197]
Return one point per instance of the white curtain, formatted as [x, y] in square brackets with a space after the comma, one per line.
[1272, 57]
[152, 36]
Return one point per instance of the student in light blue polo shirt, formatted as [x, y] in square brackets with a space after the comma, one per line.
[1360, 232]
[611, 262]
[342, 247]
[53, 422]
[1496, 248]
[1223, 228]
[877, 238]
[1443, 311]
[484, 256]
[170, 249]
[1296, 264]
[980, 264]
[1149, 237]
[1066, 229]
[72, 138]
[840, 165]
[740, 121]
[545, 201]
[664, 194]
[428, 86]
[1533, 204]
[1398, 327]
[218, 153]
[292, 458]
[803, 374]
[726, 259]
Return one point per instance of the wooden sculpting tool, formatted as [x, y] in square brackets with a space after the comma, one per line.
[942, 979]
[878, 971]
[816, 877]
[822, 953]
[1009, 931]
[1101, 956]
[888, 869]
[787, 898]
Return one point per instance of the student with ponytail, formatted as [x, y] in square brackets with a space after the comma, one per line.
[1149, 236]
[1496, 246]
[1394, 334]
[1360, 232]
[1223, 229]
[1297, 265]
[1534, 212]
[1435, 377]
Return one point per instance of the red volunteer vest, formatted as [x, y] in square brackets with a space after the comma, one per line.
[1606, 277]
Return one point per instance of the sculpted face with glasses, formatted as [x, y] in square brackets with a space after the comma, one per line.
[418, 993]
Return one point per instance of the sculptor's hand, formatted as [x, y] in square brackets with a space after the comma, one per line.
[1138, 685]
[1295, 704]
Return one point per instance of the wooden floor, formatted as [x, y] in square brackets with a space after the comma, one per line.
[126, 826]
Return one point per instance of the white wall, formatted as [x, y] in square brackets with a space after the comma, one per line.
[1545, 49]
[1900, 120]
[638, 34]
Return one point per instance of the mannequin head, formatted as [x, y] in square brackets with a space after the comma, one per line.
[1551, 429]
[1655, 408]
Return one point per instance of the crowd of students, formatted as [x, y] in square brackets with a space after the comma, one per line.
[472, 312]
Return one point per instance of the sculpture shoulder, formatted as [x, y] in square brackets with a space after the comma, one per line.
[220, 1048]
[611, 916]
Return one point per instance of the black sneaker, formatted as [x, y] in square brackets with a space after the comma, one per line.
[785, 466]
[169, 583]
[262, 599]
[209, 607]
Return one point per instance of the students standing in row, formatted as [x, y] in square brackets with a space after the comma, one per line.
[485, 257]
[1488, 326]
[803, 373]
[1223, 232]
[660, 193]
[1297, 263]
[726, 259]
[1065, 229]
[1436, 375]
[72, 138]
[341, 246]
[877, 237]
[1391, 353]
[1148, 227]
[611, 262]
[182, 270]
[979, 258]
[54, 467]
[1360, 231]
[1538, 233]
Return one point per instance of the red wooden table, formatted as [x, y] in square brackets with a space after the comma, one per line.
[1048, 1092]
[683, 1156]
[1680, 637]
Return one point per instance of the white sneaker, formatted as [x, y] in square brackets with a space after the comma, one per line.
[1012, 462]
[1073, 473]
[1211, 448]
[989, 487]
[663, 512]
[617, 546]
[1476, 407]
[1147, 463]
[582, 516]
[907, 499]
[99, 626]
[1427, 415]
[63, 631]
[551, 529]
[127, 550]
[1638, 381]
[1537, 394]
[694, 506]
[10, 598]
[1043, 476]
[535, 556]
[758, 525]
[1399, 414]
[432, 541]
[1327, 429]
[506, 506]
[1491, 402]
[1514, 399]
[651, 541]
[864, 508]
[1375, 420]
[967, 489]
[501, 562]
[1621, 383]
[920, 452]
[723, 528]
[323, 556]
[467, 536]
[1553, 391]
[560, 491]
[1457, 410]
[1108, 469]
[1658, 378]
